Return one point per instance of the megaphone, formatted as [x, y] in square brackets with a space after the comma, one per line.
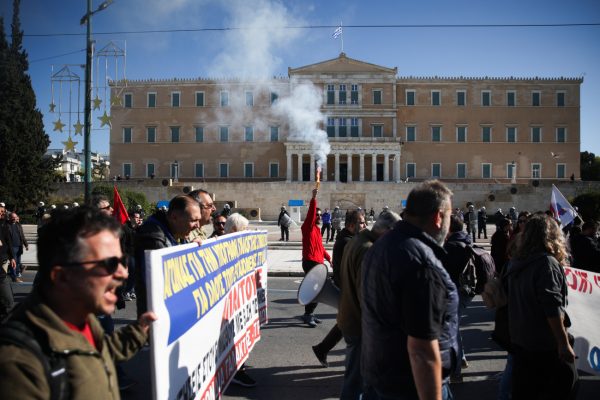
[316, 287]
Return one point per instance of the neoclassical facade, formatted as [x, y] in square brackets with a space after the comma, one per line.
[381, 127]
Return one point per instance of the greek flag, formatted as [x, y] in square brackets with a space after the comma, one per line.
[337, 33]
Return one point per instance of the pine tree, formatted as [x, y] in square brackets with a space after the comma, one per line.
[25, 172]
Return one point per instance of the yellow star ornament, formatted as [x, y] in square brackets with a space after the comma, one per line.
[52, 107]
[97, 103]
[78, 128]
[58, 125]
[105, 120]
[70, 144]
[115, 101]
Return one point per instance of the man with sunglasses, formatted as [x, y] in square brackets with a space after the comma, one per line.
[164, 229]
[218, 225]
[80, 267]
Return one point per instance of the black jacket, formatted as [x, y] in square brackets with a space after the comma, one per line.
[458, 255]
[586, 253]
[338, 252]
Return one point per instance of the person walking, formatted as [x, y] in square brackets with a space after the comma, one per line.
[19, 242]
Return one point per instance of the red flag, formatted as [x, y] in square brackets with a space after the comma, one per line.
[120, 212]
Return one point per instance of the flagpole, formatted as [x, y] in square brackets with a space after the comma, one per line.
[342, 36]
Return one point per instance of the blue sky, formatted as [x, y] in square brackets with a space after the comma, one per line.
[269, 49]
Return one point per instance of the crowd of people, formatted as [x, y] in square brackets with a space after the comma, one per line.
[400, 284]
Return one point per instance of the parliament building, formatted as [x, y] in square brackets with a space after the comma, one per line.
[381, 127]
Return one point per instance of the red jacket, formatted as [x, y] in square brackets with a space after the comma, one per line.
[312, 241]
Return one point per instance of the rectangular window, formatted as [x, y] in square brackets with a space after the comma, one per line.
[511, 97]
[199, 170]
[410, 97]
[151, 134]
[486, 170]
[199, 134]
[511, 134]
[561, 171]
[249, 99]
[511, 170]
[150, 170]
[274, 97]
[486, 98]
[461, 170]
[486, 134]
[248, 170]
[274, 134]
[128, 100]
[127, 135]
[342, 129]
[151, 100]
[561, 135]
[127, 170]
[331, 127]
[411, 170]
[249, 133]
[461, 97]
[461, 133]
[224, 134]
[354, 127]
[330, 94]
[436, 170]
[436, 133]
[411, 133]
[536, 171]
[436, 98]
[377, 96]
[536, 99]
[224, 99]
[354, 95]
[536, 134]
[199, 99]
[175, 134]
[560, 99]
[342, 94]
[175, 99]
[377, 130]
[223, 170]
[273, 170]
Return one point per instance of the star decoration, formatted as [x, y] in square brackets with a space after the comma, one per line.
[105, 120]
[78, 128]
[97, 103]
[70, 144]
[116, 101]
[58, 125]
[52, 107]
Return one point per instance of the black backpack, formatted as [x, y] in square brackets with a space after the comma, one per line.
[55, 367]
[479, 269]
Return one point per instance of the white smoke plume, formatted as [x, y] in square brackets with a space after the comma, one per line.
[303, 110]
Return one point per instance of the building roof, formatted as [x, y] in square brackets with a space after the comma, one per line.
[342, 64]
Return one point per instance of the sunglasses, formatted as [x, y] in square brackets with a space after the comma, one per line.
[220, 223]
[108, 265]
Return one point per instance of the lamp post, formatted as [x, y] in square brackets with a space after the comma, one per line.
[87, 19]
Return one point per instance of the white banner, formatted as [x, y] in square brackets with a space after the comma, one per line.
[584, 303]
[210, 301]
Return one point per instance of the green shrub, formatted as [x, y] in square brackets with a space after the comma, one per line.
[588, 205]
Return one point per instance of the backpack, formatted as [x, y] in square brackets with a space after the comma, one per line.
[18, 334]
[478, 270]
[494, 295]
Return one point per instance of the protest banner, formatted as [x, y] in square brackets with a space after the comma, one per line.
[210, 301]
[584, 303]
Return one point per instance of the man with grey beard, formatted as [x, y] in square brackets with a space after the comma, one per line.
[409, 303]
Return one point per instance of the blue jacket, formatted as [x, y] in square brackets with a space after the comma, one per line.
[405, 292]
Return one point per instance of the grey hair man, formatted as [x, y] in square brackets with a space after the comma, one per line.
[409, 303]
[207, 208]
[348, 318]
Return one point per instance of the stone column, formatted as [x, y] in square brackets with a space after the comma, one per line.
[299, 167]
[288, 175]
[386, 167]
[362, 167]
[312, 168]
[397, 167]
[324, 170]
[337, 167]
[349, 175]
[374, 167]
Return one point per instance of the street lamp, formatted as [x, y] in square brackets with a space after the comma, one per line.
[87, 19]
